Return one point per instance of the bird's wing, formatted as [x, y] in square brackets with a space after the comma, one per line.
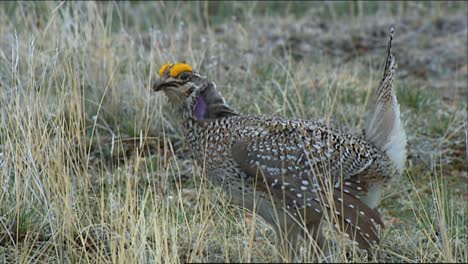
[306, 199]
[305, 152]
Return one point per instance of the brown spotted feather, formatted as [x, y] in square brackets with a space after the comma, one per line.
[303, 169]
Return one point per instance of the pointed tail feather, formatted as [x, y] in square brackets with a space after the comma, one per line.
[384, 128]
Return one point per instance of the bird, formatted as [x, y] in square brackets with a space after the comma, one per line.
[294, 173]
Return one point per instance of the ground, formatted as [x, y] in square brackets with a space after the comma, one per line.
[93, 166]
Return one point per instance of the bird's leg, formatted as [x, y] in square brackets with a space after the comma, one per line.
[287, 243]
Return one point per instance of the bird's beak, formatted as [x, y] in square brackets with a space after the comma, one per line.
[158, 85]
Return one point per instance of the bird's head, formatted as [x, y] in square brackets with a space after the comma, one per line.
[179, 83]
[189, 91]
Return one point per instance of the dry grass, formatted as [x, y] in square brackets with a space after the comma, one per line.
[94, 167]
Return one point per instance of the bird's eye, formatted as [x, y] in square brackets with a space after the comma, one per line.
[184, 76]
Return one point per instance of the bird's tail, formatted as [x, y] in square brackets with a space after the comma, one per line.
[384, 128]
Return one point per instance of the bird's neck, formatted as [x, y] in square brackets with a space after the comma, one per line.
[203, 108]
[205, 105]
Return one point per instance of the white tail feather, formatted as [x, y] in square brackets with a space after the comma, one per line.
[384, 128]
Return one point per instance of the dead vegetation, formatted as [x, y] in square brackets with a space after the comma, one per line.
[93, 170]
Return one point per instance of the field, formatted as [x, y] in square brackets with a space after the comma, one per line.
[93, 165]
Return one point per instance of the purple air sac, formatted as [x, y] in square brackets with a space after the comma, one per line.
[200, 108]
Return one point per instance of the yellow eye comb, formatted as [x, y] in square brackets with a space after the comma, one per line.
[164, 68]
[175, 69]
[179, 68]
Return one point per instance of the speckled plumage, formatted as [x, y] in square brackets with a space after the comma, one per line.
[293, 172]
